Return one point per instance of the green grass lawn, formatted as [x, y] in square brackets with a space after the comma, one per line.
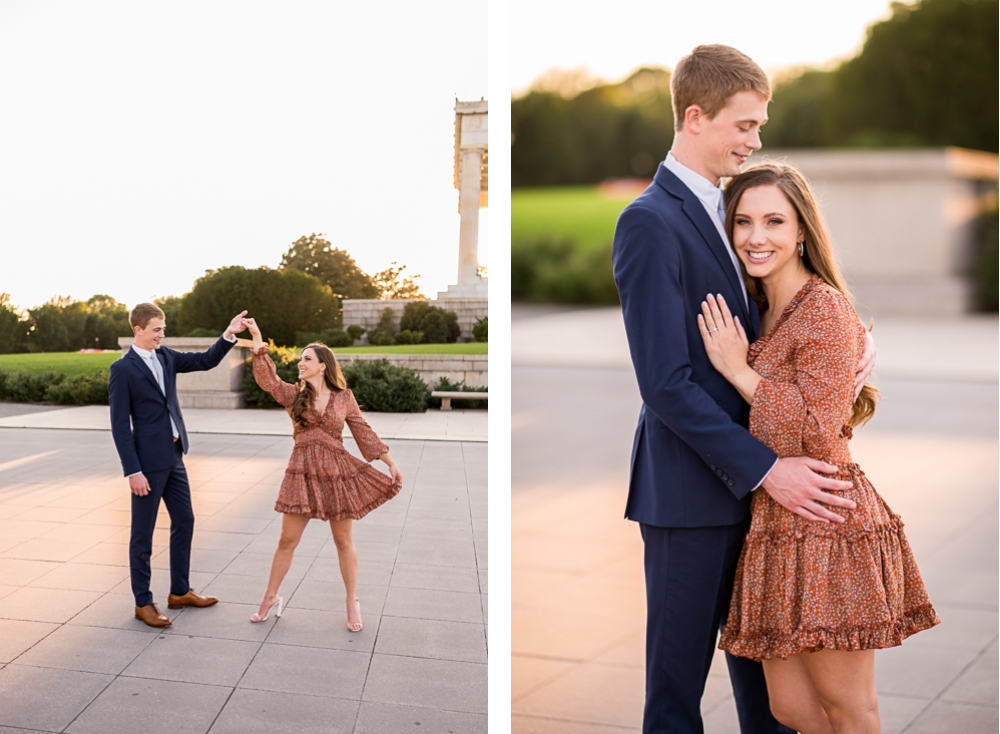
[577, 213]
[70, 363]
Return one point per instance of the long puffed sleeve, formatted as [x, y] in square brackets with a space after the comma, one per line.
[807, 415]
[368, 441]
[266, 375]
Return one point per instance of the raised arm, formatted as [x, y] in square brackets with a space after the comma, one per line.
[264, 370]
[202, 361]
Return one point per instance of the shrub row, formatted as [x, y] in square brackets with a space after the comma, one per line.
[377, 385]
[481, 330]
[421, 323]
[558, 271]
[55, 387]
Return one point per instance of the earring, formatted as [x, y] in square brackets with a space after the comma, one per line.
[802, 248]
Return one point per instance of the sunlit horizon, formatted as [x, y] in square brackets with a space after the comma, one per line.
[780, 35]
[155, 143]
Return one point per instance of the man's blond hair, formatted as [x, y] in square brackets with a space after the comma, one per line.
[141, 314]
[709, 76]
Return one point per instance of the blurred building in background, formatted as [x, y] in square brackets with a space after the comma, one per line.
[906, 224]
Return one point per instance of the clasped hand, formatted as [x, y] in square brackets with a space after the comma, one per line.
[724, 337]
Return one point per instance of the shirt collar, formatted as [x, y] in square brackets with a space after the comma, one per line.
[144, 353]
[700, 186]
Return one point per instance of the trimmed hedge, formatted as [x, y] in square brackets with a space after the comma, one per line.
[55, 387]
[377, 385]
[481, 330]
[387, 388]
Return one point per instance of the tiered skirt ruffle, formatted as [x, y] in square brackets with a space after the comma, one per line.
[803, 586]
[328, 483]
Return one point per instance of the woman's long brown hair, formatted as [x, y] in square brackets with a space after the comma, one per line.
[332, 376]
[817, 254]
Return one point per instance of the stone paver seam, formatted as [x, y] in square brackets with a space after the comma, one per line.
[152, 637]
[944, 690]
[478, 582]
[371, 657]
[260, 645]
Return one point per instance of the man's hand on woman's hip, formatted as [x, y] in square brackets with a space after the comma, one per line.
[794, 484]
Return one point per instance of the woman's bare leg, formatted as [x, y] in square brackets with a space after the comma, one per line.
[794, 700]
[845, 684]
[348, 556]
[292, 527]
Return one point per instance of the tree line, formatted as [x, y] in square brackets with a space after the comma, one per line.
[303, 294]
[926, 76]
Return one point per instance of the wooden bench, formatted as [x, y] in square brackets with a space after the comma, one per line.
[446, 397]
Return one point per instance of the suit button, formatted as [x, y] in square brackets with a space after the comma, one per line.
[730, 482]
[713, 466]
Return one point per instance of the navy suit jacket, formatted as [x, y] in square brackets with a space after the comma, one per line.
[694, 463]
[140, 413]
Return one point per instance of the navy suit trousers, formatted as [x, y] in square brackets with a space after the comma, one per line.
[170, 485]
[689, 580]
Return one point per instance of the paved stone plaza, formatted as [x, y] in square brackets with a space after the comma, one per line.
[578, 600]
[73, 658]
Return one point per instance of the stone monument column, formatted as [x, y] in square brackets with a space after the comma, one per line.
[468, 208]
[471, 151]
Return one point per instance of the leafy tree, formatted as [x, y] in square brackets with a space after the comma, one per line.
[391, 283]
[281, 301]
[335, 268]
[64, 324]
[13, 330]
[106, 320]
[171, 307]
[47, 327]
[608, 131]
[926, 76]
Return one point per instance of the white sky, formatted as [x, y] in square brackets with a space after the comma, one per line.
[613, 39]
[146, 143]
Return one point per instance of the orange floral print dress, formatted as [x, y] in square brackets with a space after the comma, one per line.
[800, 585]
[323, 480]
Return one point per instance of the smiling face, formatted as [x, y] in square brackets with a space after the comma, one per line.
[766, 233]
[310, 365]
[722, 144]
[149, 338]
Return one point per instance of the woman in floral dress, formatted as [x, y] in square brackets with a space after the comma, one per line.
[323, 480]
[812, 600]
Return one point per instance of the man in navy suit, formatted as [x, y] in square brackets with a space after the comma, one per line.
[148, 430]
[694, 464]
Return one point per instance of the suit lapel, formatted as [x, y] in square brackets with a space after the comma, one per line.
[696, 214]
[148, 373]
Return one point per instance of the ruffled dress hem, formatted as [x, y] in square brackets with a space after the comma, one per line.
[769, 644]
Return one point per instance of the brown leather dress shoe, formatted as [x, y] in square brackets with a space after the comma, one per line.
[190, 599]
[152, 616]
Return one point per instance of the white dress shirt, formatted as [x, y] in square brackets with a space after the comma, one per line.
[711, 197]
[147, 356]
